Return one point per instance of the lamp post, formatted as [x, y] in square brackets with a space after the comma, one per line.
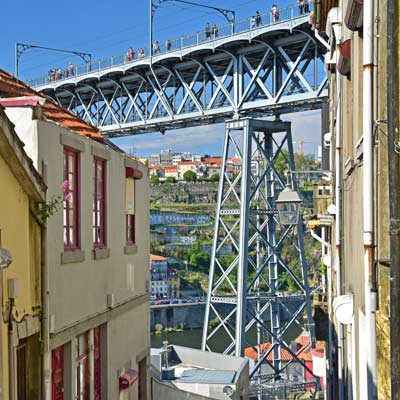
[5, 261]
[229, 15]
[288, 205]
[20, 48]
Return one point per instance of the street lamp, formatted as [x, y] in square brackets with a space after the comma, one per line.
[288, 205]
[229, 15]
[5, 258]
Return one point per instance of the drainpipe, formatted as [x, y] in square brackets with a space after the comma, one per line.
[46, 367]
[338, 225]
[368, 193]
[394, 191]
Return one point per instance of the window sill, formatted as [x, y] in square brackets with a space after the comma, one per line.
[72, 256]
[130, 249]
[101, 253]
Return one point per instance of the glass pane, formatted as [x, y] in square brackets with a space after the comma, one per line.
[71, 163]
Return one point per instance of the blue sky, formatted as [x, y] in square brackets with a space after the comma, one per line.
[209, 139]
[106, 28]
[103, 28]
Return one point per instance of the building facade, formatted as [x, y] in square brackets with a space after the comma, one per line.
[165, 282]
[357, 137]
[21, 233]
[96, 278]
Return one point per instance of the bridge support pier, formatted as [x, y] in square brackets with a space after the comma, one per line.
[264, 280]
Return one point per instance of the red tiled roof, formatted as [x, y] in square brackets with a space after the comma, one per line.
[189, 163]
[213, 160]
[155, 257]
[303, 353]
[171, 169]
[11, 87]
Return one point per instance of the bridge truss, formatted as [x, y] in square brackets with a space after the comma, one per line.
[270, 70]
[254, 280]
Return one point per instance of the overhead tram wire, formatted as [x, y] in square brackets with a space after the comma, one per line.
[126, 40]
[143, 27]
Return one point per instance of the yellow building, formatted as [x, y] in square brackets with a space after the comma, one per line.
[21, 190]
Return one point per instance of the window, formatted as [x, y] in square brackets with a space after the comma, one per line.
[130, 229]
[97, 363]
[71, 199]
[130, 210]
[57, 374]
[99, 199]
[82, 368]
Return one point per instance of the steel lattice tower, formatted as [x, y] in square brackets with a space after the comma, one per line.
[248, 303]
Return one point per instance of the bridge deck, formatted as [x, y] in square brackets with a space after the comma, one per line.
[273, 68]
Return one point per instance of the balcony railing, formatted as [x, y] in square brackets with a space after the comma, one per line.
[245, 25]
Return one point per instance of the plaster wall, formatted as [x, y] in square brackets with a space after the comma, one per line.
[20, 234]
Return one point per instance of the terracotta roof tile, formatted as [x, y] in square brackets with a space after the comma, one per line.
[155, 257]
[12, 87]
[213, 160]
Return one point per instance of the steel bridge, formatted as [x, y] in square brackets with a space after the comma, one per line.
[273, 68]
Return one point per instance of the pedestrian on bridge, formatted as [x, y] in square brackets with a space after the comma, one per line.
[275, 13]
[207, 31]
[156, 47]
[168, 45]
[306, 6]
[258, 20]
[215, 31]
[252, 22]
[301, 6]
[71, 69]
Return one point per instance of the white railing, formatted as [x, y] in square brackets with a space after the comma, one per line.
[199, 37]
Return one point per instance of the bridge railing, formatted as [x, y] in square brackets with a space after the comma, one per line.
[197, 38]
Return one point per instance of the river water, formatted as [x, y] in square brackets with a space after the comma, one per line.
[192, 338]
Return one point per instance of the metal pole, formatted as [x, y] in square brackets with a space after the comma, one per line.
[368, 195]
[16, 59]
[11, 363]
[243, 242]
[151, 32]
[394, 191]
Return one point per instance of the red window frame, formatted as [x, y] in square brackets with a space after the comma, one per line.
[97, 362]
[57, 374]
[99, 202]
[82, 368]
[71, 199]
[130, 229]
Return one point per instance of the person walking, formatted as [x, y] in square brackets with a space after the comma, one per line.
[252, 22]
[207, 31]
[215, 31]
[275, 13]
[71, 69]
[156, 47]
[301, 6]
[168, 45]
[306, 6]
[258, 19]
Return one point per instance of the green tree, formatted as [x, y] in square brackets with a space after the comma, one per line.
[170, 179]
[190, 176]
[154, 180]
[214, 178]
[200, 259]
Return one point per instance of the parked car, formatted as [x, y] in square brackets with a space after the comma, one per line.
[174, 301]
[159, 302]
